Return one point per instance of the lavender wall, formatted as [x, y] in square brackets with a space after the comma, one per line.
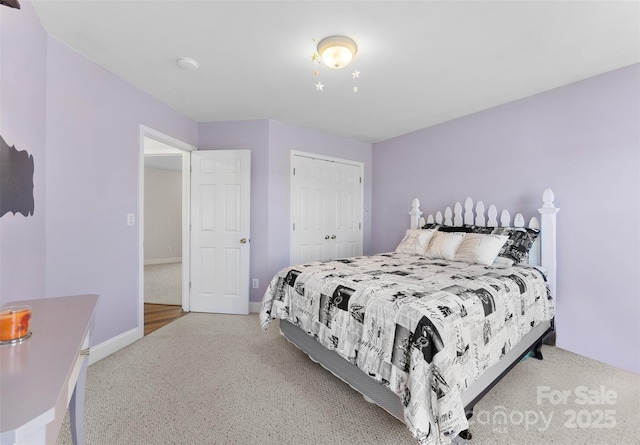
[85, 122]
[271, 143]
[23, 48]
[93, 137]
[583, 141]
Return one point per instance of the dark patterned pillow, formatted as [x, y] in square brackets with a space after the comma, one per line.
[520, 241]
[516, 249]
[431, 226]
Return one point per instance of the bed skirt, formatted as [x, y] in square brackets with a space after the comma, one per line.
[382, 396]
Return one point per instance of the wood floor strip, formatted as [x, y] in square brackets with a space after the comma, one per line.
[158, 315]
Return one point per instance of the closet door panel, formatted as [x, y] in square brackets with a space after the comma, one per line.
[326, 209]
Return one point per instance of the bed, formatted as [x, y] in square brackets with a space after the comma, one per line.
[426, 330]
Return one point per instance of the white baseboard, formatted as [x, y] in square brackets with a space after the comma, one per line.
[254, 307]
[104, 349]
[163, 261]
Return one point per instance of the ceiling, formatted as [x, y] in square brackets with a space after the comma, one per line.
[420, 62]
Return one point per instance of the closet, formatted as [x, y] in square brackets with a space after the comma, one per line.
[326, 208]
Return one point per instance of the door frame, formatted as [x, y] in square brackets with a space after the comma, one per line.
[292, 155]
[186, 149]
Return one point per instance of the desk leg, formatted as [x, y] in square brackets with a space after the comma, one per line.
[76, 406]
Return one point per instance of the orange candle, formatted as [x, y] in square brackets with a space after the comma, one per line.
[14, 322]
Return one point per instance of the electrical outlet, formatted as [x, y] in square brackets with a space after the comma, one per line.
[131, 219]
[255, 283]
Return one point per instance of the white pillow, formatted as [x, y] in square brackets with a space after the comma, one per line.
[415, 241]
[444, 245]
[480, 248]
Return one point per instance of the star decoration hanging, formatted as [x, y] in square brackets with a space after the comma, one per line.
[356, 76]
[315, 57]
[317, 60]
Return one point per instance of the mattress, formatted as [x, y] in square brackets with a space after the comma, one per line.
[425, 329]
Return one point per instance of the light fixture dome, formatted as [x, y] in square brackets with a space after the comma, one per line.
[337, 51]
[187, 63]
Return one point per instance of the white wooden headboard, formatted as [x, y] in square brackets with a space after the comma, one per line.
[543, 252]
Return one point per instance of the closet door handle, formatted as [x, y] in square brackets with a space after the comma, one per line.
[333, 237]
[326, 237]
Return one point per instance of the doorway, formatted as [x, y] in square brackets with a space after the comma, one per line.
[164, 178]
[162, 224]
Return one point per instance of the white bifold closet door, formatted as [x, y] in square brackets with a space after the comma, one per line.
[326, 209]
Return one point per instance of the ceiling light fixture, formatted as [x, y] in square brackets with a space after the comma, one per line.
[337, 51]
[187, 64]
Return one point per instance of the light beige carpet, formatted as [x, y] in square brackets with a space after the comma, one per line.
[219, 379]
[163, 283]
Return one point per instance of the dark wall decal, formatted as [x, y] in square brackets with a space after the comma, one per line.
[16, 180]
[10, 3]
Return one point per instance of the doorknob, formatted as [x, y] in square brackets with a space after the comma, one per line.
[333, 237]
[243, 241]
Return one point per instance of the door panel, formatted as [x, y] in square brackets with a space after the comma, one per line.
[348, 230]
[326, 209]
[207, 262]
[220, 202]
[309, 214]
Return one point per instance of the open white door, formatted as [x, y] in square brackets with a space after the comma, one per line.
[220, 203]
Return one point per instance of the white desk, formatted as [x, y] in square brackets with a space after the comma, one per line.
[45, 374]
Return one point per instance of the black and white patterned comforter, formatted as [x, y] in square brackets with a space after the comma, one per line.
[425, 328]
